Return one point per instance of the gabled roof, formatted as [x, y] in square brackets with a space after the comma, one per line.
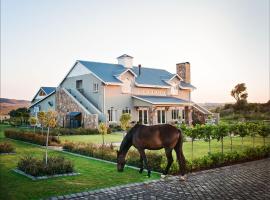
[184, 85]
[109, 73]
[53, 92]
[46, 90]
[161, 100]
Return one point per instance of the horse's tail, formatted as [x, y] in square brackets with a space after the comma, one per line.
[179, 152]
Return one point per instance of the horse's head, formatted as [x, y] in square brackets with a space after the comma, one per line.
[120, 161]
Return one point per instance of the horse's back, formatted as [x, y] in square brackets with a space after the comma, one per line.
[156, 136]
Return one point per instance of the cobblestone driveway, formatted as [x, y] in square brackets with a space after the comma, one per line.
[243, 181]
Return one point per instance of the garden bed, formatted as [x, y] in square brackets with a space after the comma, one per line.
[34, 178]
[6, 148]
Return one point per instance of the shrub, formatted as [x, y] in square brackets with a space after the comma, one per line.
[37, 167]
[6, 147]
[30, 137]
[74, 131]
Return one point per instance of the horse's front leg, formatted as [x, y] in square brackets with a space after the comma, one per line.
[142, 154]
[141, 164]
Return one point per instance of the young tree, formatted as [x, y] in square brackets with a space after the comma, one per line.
[50, 122]
[124, 121]
[232, 130]
[41, 119]
[264, 131]
[220, 132]
[193, 133]
[206, 133]
[253, 130]
[33, 122]
[242, 131]
[102, 129]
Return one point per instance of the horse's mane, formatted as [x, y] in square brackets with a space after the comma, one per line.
[127, 141]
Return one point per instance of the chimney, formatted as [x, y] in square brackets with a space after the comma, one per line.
[183, 70]
[125, 60]
[140, 69]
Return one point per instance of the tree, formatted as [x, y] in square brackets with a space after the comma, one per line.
[41, 119]
[231, 129]
[21, 113]
[102, 129]
[206, 133]
[124, 121]
[50, 122]
[242, 131]
[33, 122]
[264, 131]
[239, 92]
[221, 131]
[193, 133]
[253, 130]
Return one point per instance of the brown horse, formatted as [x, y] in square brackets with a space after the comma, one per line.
[153, 138]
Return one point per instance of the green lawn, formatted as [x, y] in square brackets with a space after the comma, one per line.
[94, 174]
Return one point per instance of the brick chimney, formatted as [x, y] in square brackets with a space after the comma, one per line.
[183, 70]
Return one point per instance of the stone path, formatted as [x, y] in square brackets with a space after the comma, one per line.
[250, 180]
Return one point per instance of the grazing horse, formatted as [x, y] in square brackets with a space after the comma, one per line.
[153, 138]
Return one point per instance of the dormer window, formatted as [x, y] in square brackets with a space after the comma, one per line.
[95, 87]
[42, 93]
[174, 89]
[126, 88]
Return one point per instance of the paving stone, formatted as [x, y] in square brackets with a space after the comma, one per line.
[243, 181]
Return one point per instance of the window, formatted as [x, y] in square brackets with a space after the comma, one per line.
[161, 117]
[174, 90]
[126, 110]
[183, 114]
[79, 84]
[143, 116]
[95, 87]
[175, 114]
[42, 93]
[112, 115]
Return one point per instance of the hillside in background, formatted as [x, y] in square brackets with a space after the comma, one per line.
[6, 105]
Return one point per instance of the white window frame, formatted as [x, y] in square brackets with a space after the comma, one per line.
[126, 87]
[95, 87]
[111, 115]
[175, 114]
[165, 117]
[126, 110]
[143, 116]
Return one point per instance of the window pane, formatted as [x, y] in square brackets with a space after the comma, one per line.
[163, 116]
[140, 116]
[158, 116]
[145, 117]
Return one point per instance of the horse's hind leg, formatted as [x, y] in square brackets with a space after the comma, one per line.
[142, 154]
[141, 164]
[180, 158]
[169, 160]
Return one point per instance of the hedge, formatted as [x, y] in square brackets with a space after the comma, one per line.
[31, 137]
[158, 162]
[6, 147]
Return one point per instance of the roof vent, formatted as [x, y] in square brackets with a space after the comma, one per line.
[125, 60]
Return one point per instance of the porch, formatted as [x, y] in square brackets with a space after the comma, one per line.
[162, 109]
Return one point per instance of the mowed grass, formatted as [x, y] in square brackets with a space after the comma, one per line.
[200, 147]
[94, 175]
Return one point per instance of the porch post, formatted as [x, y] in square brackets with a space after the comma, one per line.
[152, 110]
[188, 115]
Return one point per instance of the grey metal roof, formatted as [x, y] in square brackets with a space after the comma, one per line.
[149, 76]
[186, 85]
[161, 99]
[48, 90]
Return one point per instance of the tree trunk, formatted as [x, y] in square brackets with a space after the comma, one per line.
[192, 149]
[231, 141]
[47, 141]
[222, 145]
[242, 141]
[209, 146]
[253, 141]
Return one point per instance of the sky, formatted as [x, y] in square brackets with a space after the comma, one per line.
[226, 42]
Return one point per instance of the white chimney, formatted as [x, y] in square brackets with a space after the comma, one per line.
[125, 60]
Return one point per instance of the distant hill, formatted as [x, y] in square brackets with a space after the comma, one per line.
[6, 105]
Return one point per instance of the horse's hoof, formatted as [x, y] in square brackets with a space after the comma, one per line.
[183, 178]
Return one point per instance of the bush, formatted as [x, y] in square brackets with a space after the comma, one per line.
[6, 147]
[31, 137]
[73, 131]
[37, 167]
